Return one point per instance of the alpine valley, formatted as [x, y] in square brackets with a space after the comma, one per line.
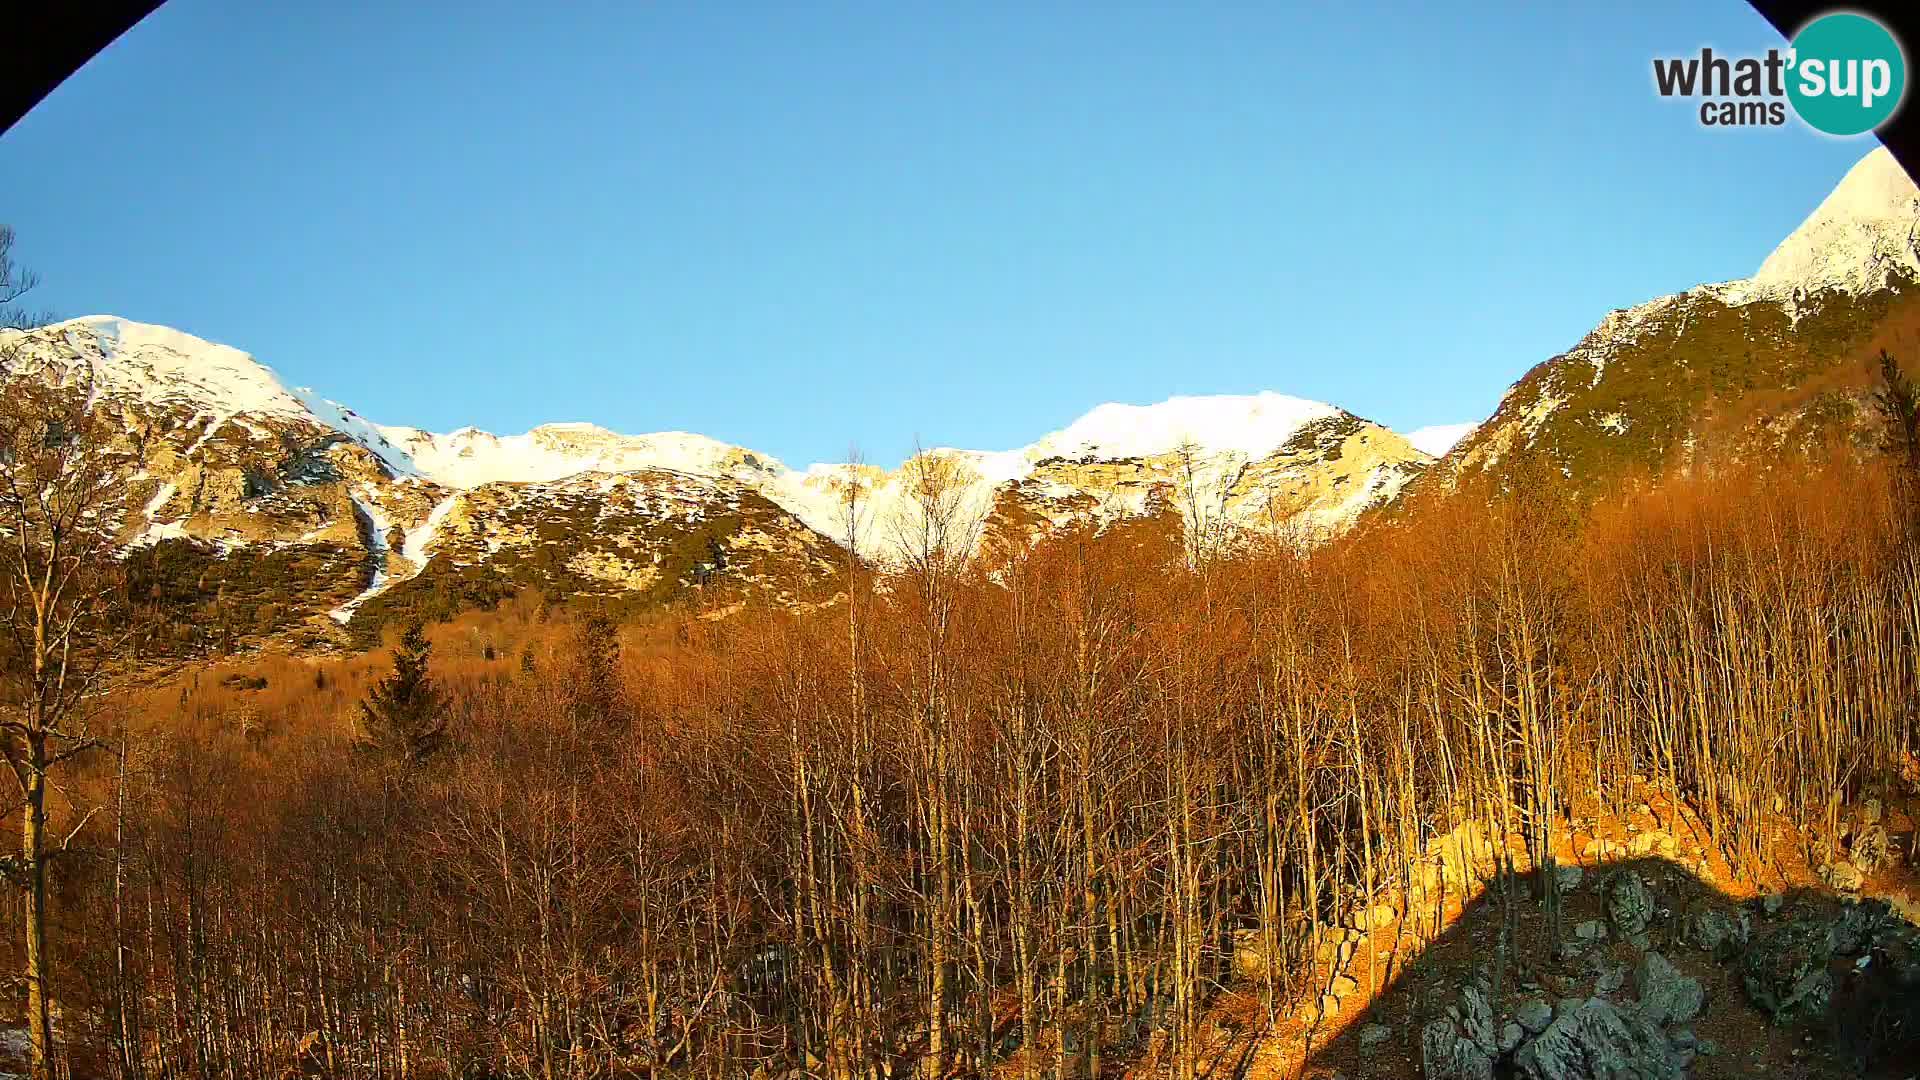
[268, 512]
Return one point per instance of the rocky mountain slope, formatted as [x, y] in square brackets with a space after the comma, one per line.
[266, 509]
[271, 510]
[1780, 360]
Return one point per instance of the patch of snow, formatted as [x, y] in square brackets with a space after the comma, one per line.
[1865, 231]
[1255, 425]
[376, 546]
[349, 423]
[1435, 440]
[414, 550]
[214, 423]
[1863, 235]
[160, 499]
[469, 457]
[158, 363]
[153, 534]
[157, 531]
[227, 386]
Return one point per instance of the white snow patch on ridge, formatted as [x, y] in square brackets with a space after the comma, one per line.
[157, 363]
[377, 548]
[1255, 425]
[414, 549]
[1435, 440]
[1862, 236]
[163, 364]
[470, 457]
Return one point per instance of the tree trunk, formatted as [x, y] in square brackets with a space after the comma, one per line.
[33, 849]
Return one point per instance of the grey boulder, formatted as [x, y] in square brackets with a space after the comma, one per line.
[1666, 996]
[1594, 1040]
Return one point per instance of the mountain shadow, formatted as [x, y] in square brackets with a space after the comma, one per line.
[1653, 972]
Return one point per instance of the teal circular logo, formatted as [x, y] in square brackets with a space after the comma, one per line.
[1848, 74]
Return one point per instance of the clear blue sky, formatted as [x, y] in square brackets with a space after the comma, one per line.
[798, 225]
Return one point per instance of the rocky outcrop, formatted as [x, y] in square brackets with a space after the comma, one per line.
[1447, 1053]
[1665, 996]
[1595, 1040]
[1718, 931]
[1588, 1038]
[1785, 970]
[1793, 970]
[1847, 969]
[1629, 906]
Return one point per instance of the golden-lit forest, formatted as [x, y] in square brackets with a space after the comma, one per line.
[1025, 817]
[1412, 571]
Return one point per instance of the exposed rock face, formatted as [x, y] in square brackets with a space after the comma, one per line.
[1851, 970]
[1608, 1007]
[1594, 1040]
[1474, 1016]
[1580, 1039]
[1534, 1016]
[1463, 1044]
[1567, 876]
[237, 466]
[1785, 971]
[1872, 848]
[273, 489]
[1328, 471]
[1629, 904]
[1666, 996]
[1446, 1054]
[1721, 933]
[1842, 875]
[1372, 1036]
[1250, 959]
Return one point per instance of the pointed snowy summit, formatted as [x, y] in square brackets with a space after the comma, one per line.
[1863, 234]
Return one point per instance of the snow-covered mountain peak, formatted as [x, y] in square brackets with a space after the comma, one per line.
[471, 457]
[167, 367]
[1865, 231]
[1252, 424]
[401, 488]
[1637, 389]
[1434, 440]
[159, 363]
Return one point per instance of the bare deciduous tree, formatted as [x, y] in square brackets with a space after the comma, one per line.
[59, 506]
[15, 282]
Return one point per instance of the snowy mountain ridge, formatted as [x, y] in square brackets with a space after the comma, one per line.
[161, 364]
[1863, 237]
[251, 488]
[248, 470]
[1611, 399]
[1220, 433]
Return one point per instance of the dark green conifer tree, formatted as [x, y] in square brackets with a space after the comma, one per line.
[599, 693]
[405, 717]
